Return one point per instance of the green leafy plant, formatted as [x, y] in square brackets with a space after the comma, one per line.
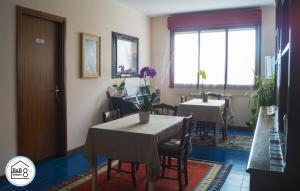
[120, 85]
[147, 104]
[202, 73]
[263, 95]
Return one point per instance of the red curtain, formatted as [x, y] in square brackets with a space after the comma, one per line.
[215, 19]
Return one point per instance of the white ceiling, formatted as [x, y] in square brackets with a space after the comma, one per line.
[166, 7]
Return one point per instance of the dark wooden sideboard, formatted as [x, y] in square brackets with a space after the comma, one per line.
[126, 104]
[266, 164]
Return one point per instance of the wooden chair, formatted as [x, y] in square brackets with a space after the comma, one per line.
[183, 99]
[203, 126]
[178, 149]
[224, 116]
[165, 109]
[109, 116]
[110, 106]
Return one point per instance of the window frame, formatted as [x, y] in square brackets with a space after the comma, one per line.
[257, 69]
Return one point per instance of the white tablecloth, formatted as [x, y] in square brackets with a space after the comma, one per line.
[210, 111]
[128, 140]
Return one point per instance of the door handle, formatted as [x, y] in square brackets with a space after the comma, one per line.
[56, 90]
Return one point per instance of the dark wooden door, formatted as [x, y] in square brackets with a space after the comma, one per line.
[40, 133]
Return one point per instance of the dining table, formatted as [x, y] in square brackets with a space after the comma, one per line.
[210, 111]
[126, 139]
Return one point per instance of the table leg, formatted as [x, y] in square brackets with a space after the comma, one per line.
[218, 128]
[149, 181]
[149, 185]
[216, 136]
[94, 173]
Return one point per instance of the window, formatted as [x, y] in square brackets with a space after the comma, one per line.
[212, 56]
[241, 56]
[227, 55]
[186, 58]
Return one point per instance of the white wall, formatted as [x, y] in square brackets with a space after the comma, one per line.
[86, 98]
[160, 49]
[268, 34]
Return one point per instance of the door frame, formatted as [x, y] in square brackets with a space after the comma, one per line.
[62, 119]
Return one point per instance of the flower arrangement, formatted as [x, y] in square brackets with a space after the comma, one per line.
[203, 76]
[127, 71]
[120, 84]
[147, 105]
[146, 73]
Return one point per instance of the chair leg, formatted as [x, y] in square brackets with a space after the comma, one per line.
[163, 166]
[224, 134]
[147, 184]
[224, 131]
[179, 173]
[120, 165]
[108, 169]
[146, 169]
[169, 161]
[133, 173]
[186, 180]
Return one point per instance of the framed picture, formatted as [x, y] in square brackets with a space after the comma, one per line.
[90, 56]
[125, 56]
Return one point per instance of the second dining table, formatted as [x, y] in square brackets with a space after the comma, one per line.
[210, 111]
[127, 139]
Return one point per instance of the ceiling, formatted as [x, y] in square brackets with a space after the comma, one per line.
[165, 7]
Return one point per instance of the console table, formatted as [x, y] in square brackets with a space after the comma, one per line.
[126, 104]
[266, 165]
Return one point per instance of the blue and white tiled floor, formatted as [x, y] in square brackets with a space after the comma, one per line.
[238, 179]
[55, 171]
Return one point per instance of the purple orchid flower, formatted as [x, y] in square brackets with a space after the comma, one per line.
[122, 68]
[141, 75]
[129, 70]
[142, 72]
[151, 72]
[147, 71]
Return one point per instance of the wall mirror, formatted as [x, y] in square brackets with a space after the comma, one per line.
[125, 55]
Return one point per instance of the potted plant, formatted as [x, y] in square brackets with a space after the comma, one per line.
[147, 105]
[145, 108]
[263, 95]
[119, 86]
[202, 73]
[145, 74]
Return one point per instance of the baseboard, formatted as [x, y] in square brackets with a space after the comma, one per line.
[75, 150]
[2, 177]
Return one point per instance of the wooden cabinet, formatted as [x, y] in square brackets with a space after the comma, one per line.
[262, 177]
[288, 79]
[266, 162]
